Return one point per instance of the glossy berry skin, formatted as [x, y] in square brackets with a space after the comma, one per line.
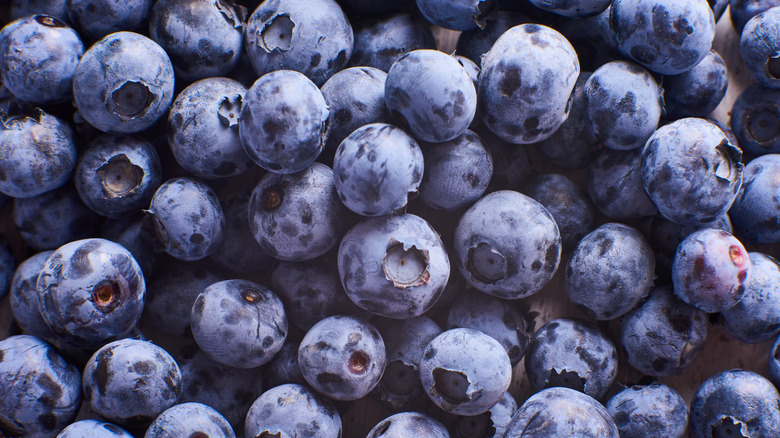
[93, 429]
[756, 210]
[98, 18]
[610, 271]
[408, 424]
[575, 9]
[376, 168]
[464, 371]
[405, 341]
[735, 401]
[492, 316]
[754, 120]
[91, 290]
[507, 245]
[130, 382]
[124, 83]
[39, 58]
[615, 185]
[116, 176]
[526, 80]
[572, 353]
[456, 15]
[203, 38]
[190, 419]
[289, 35]
[283, 123]
[54, 218]
[457, 172]
[654, 409]
[39, 153]
[567, 203]
[561, 411]
[24, 297]
[758, 45]
[393, 266]
[756, 317]
[342, 357]
[690, 171]
[305, 414]
[665, 36]
[711, 270]
[297, 217]
[624, 104]
[698, 91]
[188, 218]
[430, 94]
[239, 323]
[663, 335]
[355, 97]
[381, 42]
[40, 392]
[203, 129]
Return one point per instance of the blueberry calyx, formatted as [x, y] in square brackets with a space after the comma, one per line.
[277, 34]
[485, 264]
[729, 427]
[49, 21]
[105, 295]
[273, 197]
[17, 111]
[451, 385]
[358, 363]
[405, 266]
[131, 99]
[763, 125]
[731, 161]
[773, 66]
[229, 111]
[199, 435]
[233, 13]
[486, 9]
[477, 425]
[400, 381]
[119, 176]
[10, 427]
[251, 296]
[568, 379]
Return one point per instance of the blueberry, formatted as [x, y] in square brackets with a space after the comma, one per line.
[55, 8]
[283, 368]
[376, 168]
[457, 172]
[381, 42]
[754, 120]
[615, 185]
[562, 412]
[98, 18]
[774, 362]
[511, 165]
[41, 391]
[188, 218]
[299, 216]
[663, 335]
[624, 104]
[408, 425]
[39, 153]
[39, 58]
[592, 38]
[124, 83]
[576, 9]
[393, 266]
[756, 317]
[653, 409]
[130, 382]
[91, 290]
[405, 342]
[526, 82]
[116, 176]
[567, 203]
[93, 429]
[711, 270]
[292, 410]
[571, 353]
[284, 121]
[476, 42]
[7, 267]
[610, 272]
[203, 129]
[735, 402]
[203, 38]
[430, 93]
[665, 36]
[698, 91]
[313, 37]
[507, 245]
[755, 212]
[741, 11]
[24, 297]
[190, 420]
[356, 97]
[342, 357]
[690, 171]
[457, 14]
[130, 233]
[239, 323]
[464, 371]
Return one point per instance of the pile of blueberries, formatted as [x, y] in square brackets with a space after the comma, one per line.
[246, 219]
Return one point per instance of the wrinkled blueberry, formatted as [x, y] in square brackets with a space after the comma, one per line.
[292, 410]
[649, 410]
[615, 185]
